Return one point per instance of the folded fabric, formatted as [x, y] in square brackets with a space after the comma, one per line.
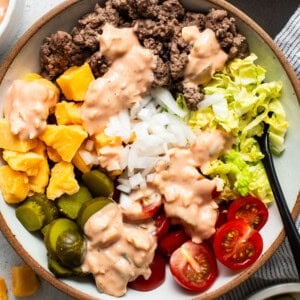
[288, 41]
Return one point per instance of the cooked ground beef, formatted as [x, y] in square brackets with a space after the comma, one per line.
[226, 32]
[157, 24]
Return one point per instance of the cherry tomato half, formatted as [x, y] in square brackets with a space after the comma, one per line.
[194, 266]
[222, 216]
[162, 224]
[158, 274]
[142, 208]
[250, 209]
[171, 241]
[237, 245]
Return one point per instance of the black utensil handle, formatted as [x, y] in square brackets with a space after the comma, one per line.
[289, 224]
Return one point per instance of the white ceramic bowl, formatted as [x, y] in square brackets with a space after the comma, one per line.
[291, 289]
[10, 24]
[24, 58]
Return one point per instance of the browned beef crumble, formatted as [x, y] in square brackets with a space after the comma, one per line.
[158, 25]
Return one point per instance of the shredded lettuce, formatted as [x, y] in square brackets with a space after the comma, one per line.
[240, 102]
[250, 102]
[243, 172]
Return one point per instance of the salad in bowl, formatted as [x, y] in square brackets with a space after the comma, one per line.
[130, 150]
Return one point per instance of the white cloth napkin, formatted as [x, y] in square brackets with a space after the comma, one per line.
[280, 267]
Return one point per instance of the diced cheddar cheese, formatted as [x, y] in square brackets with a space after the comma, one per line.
[14, 184]
[65, 139]
[37, 77]
[80, 164]
[40, 148]
[74, 82]
[62, 180]
[3, 289]
[32, 76]
[68, 113]
[38, 183]
[24, 281]
[102, 139]
[9, 141]
[53, 155]
[26, 162]
[80, 161]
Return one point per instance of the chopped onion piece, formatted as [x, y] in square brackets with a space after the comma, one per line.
[136, 180]
[218, 103]
[154, 130]
[165, 98]
[88, 157]
[124, 188]
[125, 201]
[89, 146]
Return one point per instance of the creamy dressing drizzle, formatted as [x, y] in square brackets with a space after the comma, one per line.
[110, 157]
[187, 194]
[3, 8]
[139, 199]
[27, 105]
[127, 80]
[206, 56]
[117, 252]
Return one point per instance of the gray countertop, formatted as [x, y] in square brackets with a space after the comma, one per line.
[271, 15]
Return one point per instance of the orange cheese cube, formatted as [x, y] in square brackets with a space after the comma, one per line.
[75, 81]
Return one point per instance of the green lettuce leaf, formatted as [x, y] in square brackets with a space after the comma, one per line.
[243, 173]
[240, 102]
[251, 102]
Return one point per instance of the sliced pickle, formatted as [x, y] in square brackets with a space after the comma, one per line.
[98, 183]
[55, 229]
[36, 212]
[44, 229]
[49, 208]
[69, 205]
[61, 271]
[57, 269]
[31, 215]
[91, 207]
[70, 248]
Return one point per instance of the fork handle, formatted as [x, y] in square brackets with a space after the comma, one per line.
[289, 224]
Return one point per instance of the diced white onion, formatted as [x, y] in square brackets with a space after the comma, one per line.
[218, 103]
[165, 98]
[119, 125]
[124, 188]
[136, 180]
[154, 130]
[125, 201]
[89, 146]
[88, 157]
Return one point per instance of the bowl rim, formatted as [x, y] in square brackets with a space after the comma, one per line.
[7, 16]
[64, 287]
[276, 290]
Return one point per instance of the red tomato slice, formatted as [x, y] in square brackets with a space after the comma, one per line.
[143, 208]
[194, 266]
[222, 216]
[237, 245]
[158, 269]
[173, 240]
[162, 224]
[250, 209]
[215, 193]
